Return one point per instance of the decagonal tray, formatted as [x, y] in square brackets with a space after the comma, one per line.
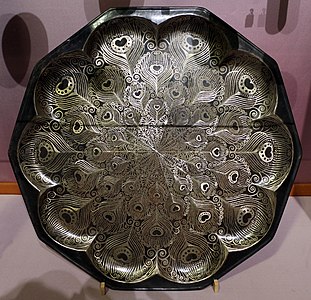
[156, 148]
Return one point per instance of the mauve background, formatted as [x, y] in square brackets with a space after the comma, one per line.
[30, 29]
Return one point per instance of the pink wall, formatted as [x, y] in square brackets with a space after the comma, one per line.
[29, 29]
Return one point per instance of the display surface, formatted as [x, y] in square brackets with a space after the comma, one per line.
[157, 145]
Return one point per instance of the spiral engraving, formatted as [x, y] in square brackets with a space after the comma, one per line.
[156, 149]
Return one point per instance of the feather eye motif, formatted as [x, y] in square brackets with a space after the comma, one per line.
[156, 149]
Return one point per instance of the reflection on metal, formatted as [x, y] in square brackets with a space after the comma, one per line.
[156, 149]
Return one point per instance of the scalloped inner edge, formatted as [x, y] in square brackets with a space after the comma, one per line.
[156, 149]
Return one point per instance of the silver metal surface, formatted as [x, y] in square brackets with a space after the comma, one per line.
[156, 149]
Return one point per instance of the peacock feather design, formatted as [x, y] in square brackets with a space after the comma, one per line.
[156, 149]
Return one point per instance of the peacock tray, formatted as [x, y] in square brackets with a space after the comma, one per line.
[156, 148]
